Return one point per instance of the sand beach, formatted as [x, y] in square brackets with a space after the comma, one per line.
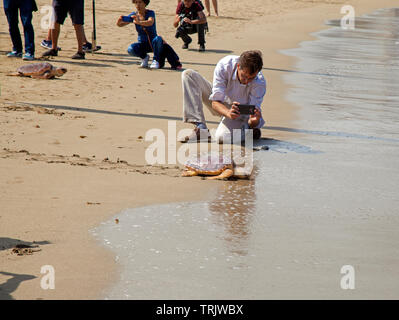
[72, 155]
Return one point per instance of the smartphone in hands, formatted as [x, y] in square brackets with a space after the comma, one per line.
[246, 108]
[127, 19]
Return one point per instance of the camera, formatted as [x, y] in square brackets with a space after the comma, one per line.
[127, 19]
[184, 27]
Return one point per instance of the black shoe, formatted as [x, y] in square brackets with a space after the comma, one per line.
[256, 133]
[50, 53]
[186, 43]
[201, 48]
[88, 47]
[79, 56]
[177, 67]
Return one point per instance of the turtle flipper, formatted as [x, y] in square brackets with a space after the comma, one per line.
[189, 173]
[45, 75]
[224, 175]
[15, 74]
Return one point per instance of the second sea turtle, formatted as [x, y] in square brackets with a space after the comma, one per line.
[41, 70]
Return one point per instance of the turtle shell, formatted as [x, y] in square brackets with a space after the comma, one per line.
[35, 68]
[209, 163]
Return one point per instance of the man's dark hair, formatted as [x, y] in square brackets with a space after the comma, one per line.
[251, 61]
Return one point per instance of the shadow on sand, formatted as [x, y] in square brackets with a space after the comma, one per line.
[8, 243]
[221, 51]
[8, 287]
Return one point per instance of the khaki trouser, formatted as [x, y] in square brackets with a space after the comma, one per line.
[196, 92]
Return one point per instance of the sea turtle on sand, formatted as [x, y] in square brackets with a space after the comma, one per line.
[215, 165]
[41, 70]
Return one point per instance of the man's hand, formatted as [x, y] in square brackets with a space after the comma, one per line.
[233, 112]
[187, 20]
[254, 119]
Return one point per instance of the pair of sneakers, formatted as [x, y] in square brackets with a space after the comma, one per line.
[144, 63]
[27, 56]
[200, 49]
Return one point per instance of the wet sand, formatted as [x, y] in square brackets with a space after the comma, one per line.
[55, 183]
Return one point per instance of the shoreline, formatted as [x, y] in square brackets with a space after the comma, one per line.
[46, 189]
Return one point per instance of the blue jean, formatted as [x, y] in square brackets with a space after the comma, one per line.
[161, 50]
[25, 8]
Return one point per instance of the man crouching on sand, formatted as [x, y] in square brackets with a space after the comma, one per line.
[236, 80]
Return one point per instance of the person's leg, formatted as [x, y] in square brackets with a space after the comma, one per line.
[157, 45]
[171, 56]
[60, 13]
[201, 34]
[183, 34]
[29, 34]
[140, 49]
[11, 11]
[215, 6]
[208, 8]
[137, 50]
[162, 51]
[79, 36]
[84, 37]
[54, 35]
[196, 91]
[76, 11]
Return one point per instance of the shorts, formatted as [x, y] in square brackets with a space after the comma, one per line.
[75, 8]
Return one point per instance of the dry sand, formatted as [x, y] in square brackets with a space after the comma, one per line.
[55, 184]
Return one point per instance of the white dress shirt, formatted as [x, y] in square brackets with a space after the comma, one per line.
[227, 88]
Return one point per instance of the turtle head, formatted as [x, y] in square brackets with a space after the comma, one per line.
[60, 71]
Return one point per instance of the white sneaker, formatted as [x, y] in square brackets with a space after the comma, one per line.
[144, 62]
[154, 64]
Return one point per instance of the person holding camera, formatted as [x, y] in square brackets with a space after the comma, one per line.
[237, 80]
[148, 40]
[189, 19]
